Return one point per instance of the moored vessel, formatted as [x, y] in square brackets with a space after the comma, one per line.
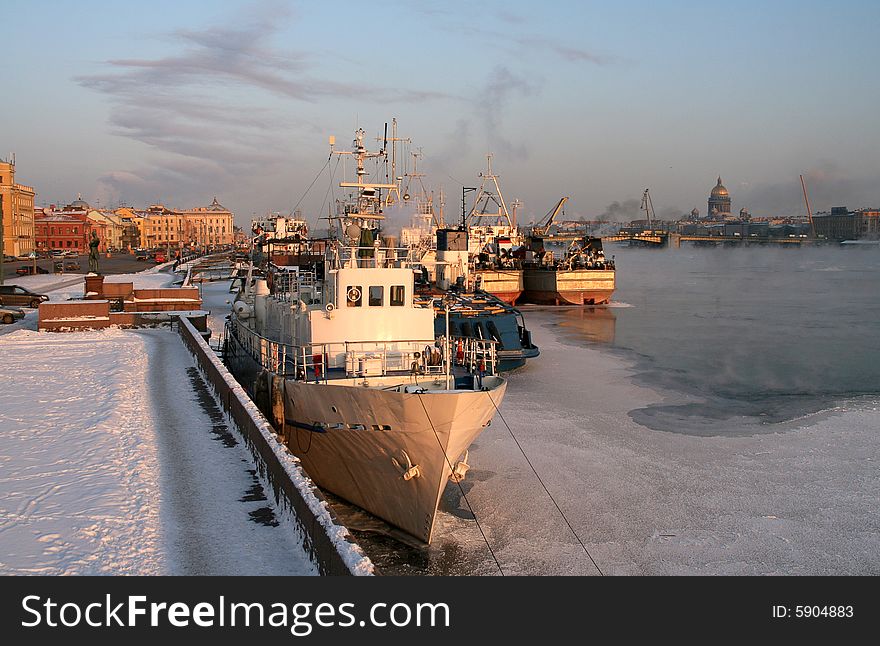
[582, 277]
[495, 243]
[379, 410]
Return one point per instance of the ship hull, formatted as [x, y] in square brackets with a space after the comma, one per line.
[370, 437]
[568, 287]
[506, 284]
[357, 442]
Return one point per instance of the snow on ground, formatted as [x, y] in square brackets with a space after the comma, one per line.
[72, 287]
[43, 283]
[79, 465]
[114, 459]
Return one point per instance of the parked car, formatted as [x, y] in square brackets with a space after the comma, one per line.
[141, 255]
[15, 295]
[28, 270]
[159, 258]
[71, 265]
[10, 314]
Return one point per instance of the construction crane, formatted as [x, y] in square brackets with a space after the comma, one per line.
[545, 224]
[648, 207]
[809, 210]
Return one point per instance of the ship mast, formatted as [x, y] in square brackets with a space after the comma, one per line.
[368, 204]
[393, 194]
[496, 197]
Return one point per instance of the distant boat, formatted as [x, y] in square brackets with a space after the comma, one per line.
[860, 243]
[475, 313]
[495, 244]
[581, 275]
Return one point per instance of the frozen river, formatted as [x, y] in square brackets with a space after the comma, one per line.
[719, 418]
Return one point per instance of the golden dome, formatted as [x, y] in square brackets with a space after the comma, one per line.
[719, 190]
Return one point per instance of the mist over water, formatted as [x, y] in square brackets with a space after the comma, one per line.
[740, 339]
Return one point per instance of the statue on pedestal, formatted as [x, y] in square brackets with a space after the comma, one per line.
[94, 243]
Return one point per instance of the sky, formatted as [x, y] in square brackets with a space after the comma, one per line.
[179, 102]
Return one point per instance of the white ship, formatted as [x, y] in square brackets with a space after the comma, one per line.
[378, 409]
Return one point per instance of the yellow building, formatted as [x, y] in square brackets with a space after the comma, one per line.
[200, 227]
[17, 207]
[209, 226]
[133, 234]
[113, 226]
[163, 227]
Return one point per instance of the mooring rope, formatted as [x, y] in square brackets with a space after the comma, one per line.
[460, 488]
[558, 508]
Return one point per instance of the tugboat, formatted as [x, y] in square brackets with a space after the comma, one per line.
[379, 410]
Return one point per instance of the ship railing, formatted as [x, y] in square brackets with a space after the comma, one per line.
[475, 355]
[321, 362]
[289, 286]
[417, 356]
[273, 356]
[374, 257]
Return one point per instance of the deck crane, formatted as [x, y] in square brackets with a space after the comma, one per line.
[545, 224]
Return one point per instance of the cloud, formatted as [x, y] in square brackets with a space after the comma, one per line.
[218, 98]
[176, 182]
[527, 43]
[566, 52]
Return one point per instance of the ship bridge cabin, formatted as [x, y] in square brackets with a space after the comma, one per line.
[371, 304]
[369, 323]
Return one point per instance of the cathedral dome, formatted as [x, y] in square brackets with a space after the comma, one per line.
[80, 203]
[719, 190]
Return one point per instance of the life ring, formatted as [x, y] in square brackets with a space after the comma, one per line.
[354, 294]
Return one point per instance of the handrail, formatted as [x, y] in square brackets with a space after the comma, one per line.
[313, 361]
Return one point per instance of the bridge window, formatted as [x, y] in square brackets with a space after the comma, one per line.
[398, 293]
[376, 295]
[354, 296]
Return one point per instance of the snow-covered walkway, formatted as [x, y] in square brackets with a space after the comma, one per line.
[114, 459]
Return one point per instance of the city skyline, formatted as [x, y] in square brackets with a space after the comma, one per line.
[179, 102]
